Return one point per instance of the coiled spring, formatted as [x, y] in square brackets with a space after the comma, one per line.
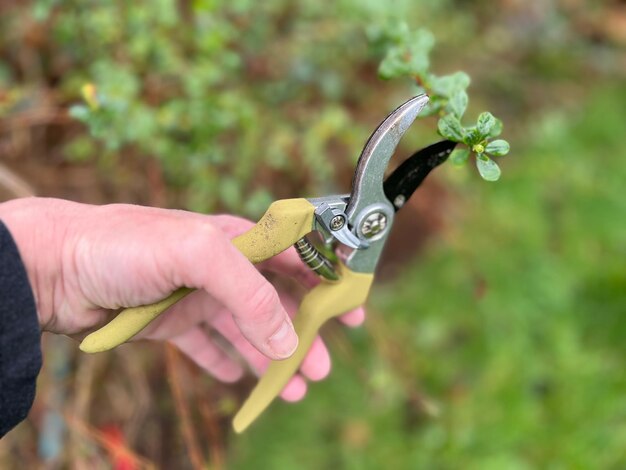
[315, 260]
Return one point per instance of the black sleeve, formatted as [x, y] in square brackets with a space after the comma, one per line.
[20, 349]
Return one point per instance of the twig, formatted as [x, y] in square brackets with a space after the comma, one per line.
[34, 118]
[83, 388]
[172, 359]
[15, 184]
[216, 455]
[140, 391]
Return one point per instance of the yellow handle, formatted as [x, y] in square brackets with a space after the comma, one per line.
[325, 301]
[284, 223]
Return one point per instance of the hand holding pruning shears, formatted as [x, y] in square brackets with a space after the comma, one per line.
[356, 225]
[85, 263]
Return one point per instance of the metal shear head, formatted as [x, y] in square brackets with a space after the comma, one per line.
[363, 219]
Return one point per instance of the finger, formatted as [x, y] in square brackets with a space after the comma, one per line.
[225, 325]
[287, 263]
[295, 390]
[206, 259]
[354, 317]
[196, 345]
[187, 310]
[316, 364]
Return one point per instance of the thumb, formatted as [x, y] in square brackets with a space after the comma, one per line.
[210, 261]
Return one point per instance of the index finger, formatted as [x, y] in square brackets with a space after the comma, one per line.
[206, 259]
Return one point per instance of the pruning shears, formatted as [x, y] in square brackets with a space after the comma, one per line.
[355, 226]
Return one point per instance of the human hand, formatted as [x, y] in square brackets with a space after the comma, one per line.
[86, 262]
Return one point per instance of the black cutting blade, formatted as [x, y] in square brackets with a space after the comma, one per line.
[405, 179]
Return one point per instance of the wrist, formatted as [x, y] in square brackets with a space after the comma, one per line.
[32, 226]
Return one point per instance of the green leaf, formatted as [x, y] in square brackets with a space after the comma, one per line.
[409, 57]
[498, 148]
[459, 156]
[397, 32]
[80, 112]
[423, 39]
[496, 130]
[488, 169]
[41, 9]
[450, 127]
[485, 123]
[229, 190]
[80, 149]
[392, 65]
[458, 103]
[472, 136]
[418, 47]
[448, 85]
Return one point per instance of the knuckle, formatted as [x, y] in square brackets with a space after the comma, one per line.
[207, 238]
[263, 303]
[231, 223]
[206, 230]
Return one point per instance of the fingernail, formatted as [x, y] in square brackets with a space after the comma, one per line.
[284, 341]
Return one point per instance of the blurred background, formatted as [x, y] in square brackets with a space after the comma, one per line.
[495, 335]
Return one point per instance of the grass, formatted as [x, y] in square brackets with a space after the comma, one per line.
[503, 346]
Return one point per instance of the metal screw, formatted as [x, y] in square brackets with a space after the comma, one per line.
[399, 201]
[374, 224]
[337, 222]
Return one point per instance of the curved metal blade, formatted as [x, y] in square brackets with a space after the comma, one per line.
[367, 185]
[402, 183]
[368, 207]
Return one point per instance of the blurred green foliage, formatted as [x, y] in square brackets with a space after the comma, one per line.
[178, 82]
[182, 85]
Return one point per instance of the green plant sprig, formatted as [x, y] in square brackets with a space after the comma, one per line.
[408, 56]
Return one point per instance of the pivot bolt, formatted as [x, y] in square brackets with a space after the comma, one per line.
[374, 224]
[337, 222]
